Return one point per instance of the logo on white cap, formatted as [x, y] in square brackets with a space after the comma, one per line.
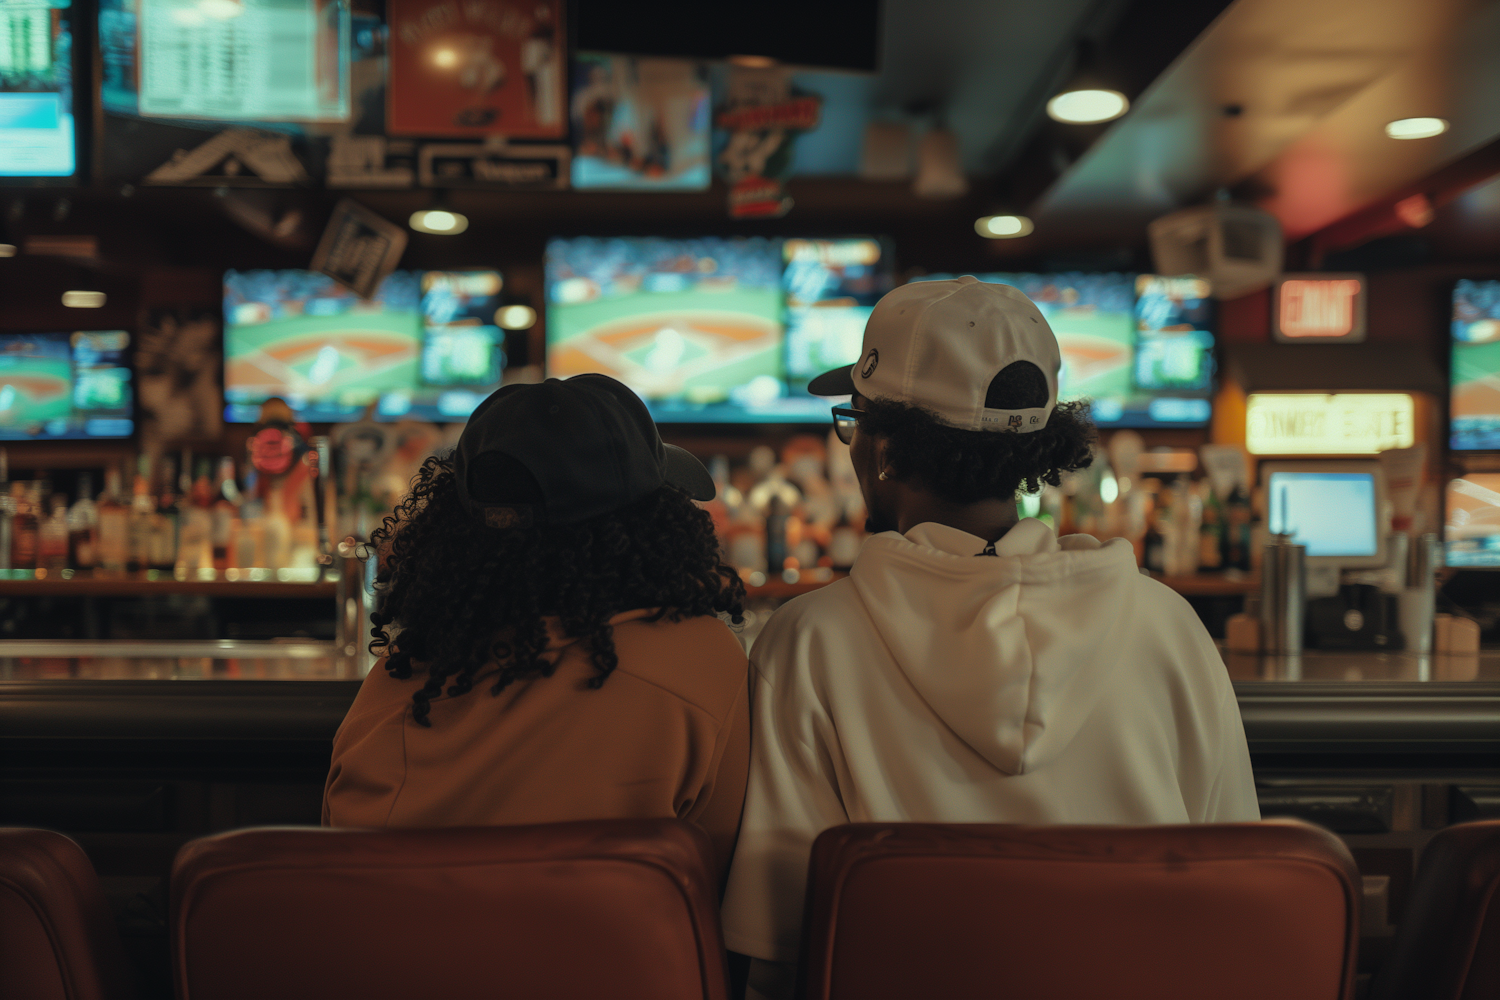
[946, 345]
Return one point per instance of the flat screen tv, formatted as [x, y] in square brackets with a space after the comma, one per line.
[712, 330]
[37, 133]
[65, 385]
[1474, 400]
[1471, 532]
[1140, 346]
[229, 60]
[425, 346]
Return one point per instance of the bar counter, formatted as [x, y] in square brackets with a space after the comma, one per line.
[1348, 705]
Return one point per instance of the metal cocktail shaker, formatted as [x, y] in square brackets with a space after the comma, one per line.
[1417, 601]
[1283, 596]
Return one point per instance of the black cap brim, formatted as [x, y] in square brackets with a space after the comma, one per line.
[687, 473]
[839, 382]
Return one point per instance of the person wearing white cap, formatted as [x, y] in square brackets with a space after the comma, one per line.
[973, 667]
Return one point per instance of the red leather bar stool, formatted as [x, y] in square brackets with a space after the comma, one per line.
[1448, 944]
[57, 938]
[591, 909]
[1248, 910]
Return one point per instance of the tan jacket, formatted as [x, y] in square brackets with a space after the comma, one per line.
[667, 735]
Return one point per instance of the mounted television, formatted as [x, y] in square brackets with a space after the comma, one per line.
[425, 346]
[712, 330]
[65, 385]
[37, 129]
[1140, 346]
[1474, 401]
[1471, 533]
[228, 60]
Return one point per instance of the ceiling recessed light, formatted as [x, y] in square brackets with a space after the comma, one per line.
[517, 317]
[1416, 128]
[1088, 107]
[438, 222]
[78, 299]
[1004, 227]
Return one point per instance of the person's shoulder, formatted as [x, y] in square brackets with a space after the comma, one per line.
[804, 624]
[698, 660]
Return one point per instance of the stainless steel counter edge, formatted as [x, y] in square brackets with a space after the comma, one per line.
[1345, 717]
[1376, 716]
[174, 710]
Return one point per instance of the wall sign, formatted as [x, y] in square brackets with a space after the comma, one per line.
[477, 68]
[1315, 423]
[359, 248]
[1319, 308]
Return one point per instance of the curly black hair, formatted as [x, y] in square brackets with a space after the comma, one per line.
[967, 466]
[466, 598]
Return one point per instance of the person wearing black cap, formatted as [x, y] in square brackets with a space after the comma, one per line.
[557, 563]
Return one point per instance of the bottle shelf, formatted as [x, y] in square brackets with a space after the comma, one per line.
[88, 584]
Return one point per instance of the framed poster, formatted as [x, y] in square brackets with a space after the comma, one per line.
[477, 68]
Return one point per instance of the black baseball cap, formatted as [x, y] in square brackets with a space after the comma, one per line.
[565, 450]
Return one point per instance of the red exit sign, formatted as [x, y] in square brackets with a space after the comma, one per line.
[1319, 308]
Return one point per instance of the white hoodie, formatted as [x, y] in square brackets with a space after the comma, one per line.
[1053, 684]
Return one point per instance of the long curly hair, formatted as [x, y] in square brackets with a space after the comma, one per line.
[465, 600]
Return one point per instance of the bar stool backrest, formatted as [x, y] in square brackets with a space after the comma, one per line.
[58, 940]
[588, 909]
[1448, 943]
[1248, 910]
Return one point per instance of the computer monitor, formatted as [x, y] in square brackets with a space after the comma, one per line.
[425, 346]
[1337, 510]
[1471, 533]
[65, 385]
[1474, 403]
[37, 132]
[1139, 346]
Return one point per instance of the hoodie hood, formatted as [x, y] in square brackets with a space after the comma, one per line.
[996, 645]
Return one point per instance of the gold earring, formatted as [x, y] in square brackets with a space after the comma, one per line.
[884, 475]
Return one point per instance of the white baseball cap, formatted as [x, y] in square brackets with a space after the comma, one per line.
[943, 345]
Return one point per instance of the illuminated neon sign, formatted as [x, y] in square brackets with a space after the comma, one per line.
[1320, 308]
[1315, 423]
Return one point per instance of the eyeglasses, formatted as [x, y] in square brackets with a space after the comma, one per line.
[845, 419]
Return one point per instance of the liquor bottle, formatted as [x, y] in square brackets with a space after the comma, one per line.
[25, 526]
[226, 511]
[52, 538]
[194, 552]
[114, 525]
[776, 547]
[7, 514]
[142, 507]
[83, 527]
[165, 518]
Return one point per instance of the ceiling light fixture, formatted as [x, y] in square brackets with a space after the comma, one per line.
[1416, 128]
[1087, 106]
[82, 299]
[8, 250]
[515, 317]
[1004, 227]
[438, 222]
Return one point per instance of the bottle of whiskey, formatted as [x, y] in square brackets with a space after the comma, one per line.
[25, 525]
[52, 538]
[83, 527]
[165, 518]
[114, 525]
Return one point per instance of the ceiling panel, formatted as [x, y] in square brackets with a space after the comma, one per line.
[1313, 84]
